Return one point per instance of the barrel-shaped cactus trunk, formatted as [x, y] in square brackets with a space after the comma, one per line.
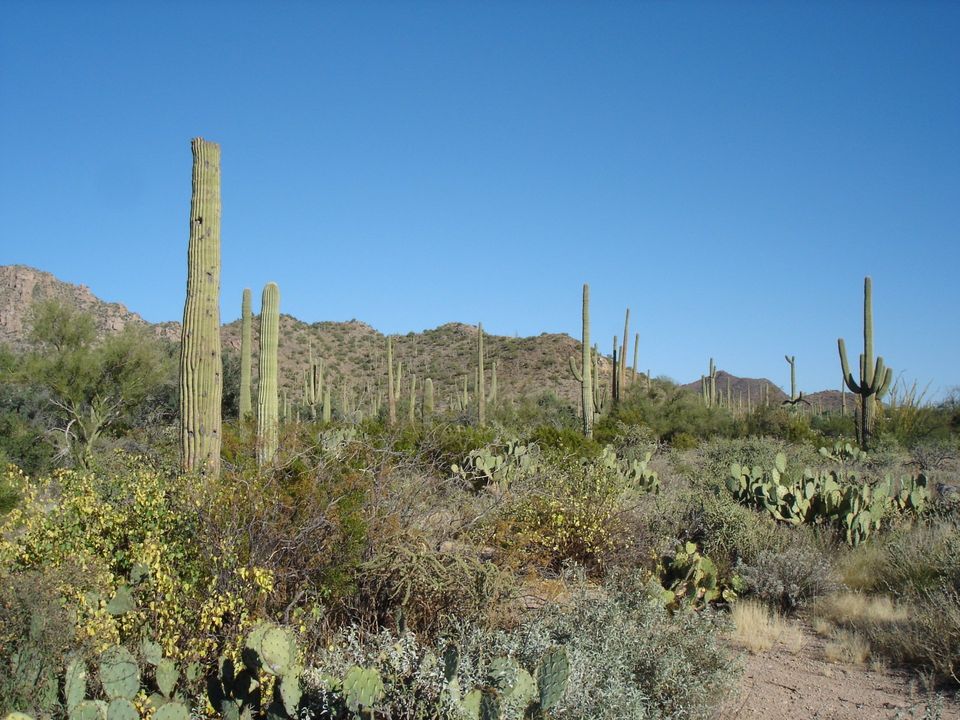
[267, 398]
[201, 363]
[246, 362]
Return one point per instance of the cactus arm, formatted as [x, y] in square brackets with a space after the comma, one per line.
[845, 367]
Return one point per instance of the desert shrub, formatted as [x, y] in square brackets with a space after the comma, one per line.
[569, 511]
[565, 442]
[409, 583]
[682, 441]
[725, 530]
[36, 633]
[628, 658]
[916, 566]
[788, 578]
[667, 410]
[191, 594]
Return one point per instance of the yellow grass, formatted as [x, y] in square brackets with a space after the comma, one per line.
[857, 609]
[757, 628]
[847, 647]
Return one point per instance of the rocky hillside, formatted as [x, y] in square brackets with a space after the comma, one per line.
[20, 286]
[354, 352]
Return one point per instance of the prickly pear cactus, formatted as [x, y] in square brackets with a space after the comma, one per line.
[119, 673]
[552, 674]
[362, 688]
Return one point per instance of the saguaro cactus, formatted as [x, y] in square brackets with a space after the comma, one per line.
[623, 350]
[492, 397]
[583, 375]
[481, 391]
[792, 360]
[246, 340]
[267, 420]
[201, 364]
[391, 392]
[874, 379]
[636, 352]
[427, 411]
[412, 410]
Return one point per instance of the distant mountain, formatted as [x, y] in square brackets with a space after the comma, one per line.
[355, 354]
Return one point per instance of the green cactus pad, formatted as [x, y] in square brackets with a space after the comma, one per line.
[151, 651]
[362, 688]
[502, 673]
[552, 675]
[122, 709]
[167, 676]
[290, 693]
[278, 650]
[75, 684]
[119, 673]
[173, 711]
[89, 710]
[122, 602]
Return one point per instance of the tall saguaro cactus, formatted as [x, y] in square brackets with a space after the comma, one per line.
[267, 419]
[246, 340]
[427, 410]
[792, 361]
[623, 350]
[874, 379]
[481, 390]
[201, 364]
[391, 392]
[583, 375]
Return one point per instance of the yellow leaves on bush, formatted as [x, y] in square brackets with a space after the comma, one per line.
[107, 526]
[573, 516]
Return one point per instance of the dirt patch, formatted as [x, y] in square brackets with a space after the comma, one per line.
[786, 682]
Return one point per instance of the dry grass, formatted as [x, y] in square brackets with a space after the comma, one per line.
[757, 628]
[847, 647]
[852, 608]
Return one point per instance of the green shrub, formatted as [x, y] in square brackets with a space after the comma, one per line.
[789, 578]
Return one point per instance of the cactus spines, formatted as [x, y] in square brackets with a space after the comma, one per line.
[267, 398]
[201, 364]
[246, 342]
[792, 361]
[119, 673]
[874, 379]
[583, 375]
[552, 675]
[391, 394]
[122, 709]
[172, 711]
[362, 688]
[481, 391]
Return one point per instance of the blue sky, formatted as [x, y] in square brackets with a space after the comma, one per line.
[730, 171]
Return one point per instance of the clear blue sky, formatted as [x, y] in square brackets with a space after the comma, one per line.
[730, 171]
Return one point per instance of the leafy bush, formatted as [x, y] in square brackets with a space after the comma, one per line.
[569, 511]
[191, 594]
[788, 578]
[628, 658]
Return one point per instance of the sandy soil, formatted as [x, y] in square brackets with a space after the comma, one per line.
[782, 684]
